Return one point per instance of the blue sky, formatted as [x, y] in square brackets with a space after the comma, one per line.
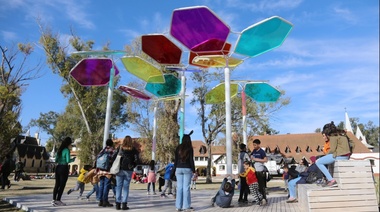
[329, 62]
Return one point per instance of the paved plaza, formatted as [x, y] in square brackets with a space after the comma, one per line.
[140, 201]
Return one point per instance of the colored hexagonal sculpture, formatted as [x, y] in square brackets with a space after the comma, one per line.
[142, 69]
[93, 71]
[225, 51]
[262, 92]
[216, 61]
[161, 49]
[217, 94]
[199, 29]
[134, 92]
[263, 36]
[171, 87]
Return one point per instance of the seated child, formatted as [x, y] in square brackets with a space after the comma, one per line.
[224, 196]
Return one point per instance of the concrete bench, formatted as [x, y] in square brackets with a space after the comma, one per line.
[355, 191]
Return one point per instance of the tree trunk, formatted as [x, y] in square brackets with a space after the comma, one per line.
[209, 171]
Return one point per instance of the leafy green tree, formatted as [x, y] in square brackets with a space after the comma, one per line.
[15, 72]
[84, 115]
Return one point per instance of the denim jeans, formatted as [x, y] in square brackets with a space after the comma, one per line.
[183, 200]
[104, 187]
[325, 160]
[292, 187]
[123, 179]
[95, 189]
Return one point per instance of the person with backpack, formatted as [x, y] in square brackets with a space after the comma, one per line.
[128, 161]
[103, 165]
[62, 171]
[244, 189]
[339, 150]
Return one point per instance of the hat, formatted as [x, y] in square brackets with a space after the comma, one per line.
[313, 159]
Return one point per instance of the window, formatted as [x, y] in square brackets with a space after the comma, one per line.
[234, 167]
[277, 150]
[222, 167]
[298, 149]
[267, 150]
[33, 163]
[287, 150]
[308, 149]
[201, 158]
[196, 159]
[206, 158]
[319, 149]
[40, 163]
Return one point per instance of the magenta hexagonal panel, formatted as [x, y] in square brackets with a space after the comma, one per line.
[161, 49]
[199, 29]
[93, 71]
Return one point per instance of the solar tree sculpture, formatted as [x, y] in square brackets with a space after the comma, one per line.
[201, 31]
[98, 72]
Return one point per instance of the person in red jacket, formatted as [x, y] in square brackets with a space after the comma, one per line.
[253, 184]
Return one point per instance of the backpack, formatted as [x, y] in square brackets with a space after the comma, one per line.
[102, 161]
[312, 177]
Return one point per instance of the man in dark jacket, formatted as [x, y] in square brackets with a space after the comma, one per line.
[6, 171]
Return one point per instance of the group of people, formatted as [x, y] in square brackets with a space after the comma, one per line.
[337, 147]
[181, 172]
[99, 176]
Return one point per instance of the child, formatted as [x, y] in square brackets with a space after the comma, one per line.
[80, 181]
[224, 196]
[152, 177]
[144, 179]
[95, 184]
[194, 180]
[252, 182]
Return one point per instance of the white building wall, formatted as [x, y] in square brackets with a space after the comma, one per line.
[368, 156]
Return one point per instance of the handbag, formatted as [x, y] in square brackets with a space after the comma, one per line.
[115, 168]
[312, 177]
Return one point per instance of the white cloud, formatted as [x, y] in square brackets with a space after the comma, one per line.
[345, 14]
[9, 36]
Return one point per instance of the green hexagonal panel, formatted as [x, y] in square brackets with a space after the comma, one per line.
[217, 94]
[171, 87]
[263, 36]
[142, 69]
[262, 92]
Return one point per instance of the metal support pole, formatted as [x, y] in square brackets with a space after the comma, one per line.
[228, 118]
[182, 110]
[244, 113]
[109, 107]
[154, 132]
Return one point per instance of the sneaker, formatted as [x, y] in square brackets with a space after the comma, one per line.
[59, 203]
[331, 184]
[88, 198]
[107, 204]
[163, 196]
[263, 202]
[293, 200]
[178, 209]
[53, 203]
[69, 192]
[147, 193]
[189, 209]
[154, 193]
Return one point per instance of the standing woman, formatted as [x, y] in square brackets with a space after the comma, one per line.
[61, 171]
[184, 163]
[129, 158]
